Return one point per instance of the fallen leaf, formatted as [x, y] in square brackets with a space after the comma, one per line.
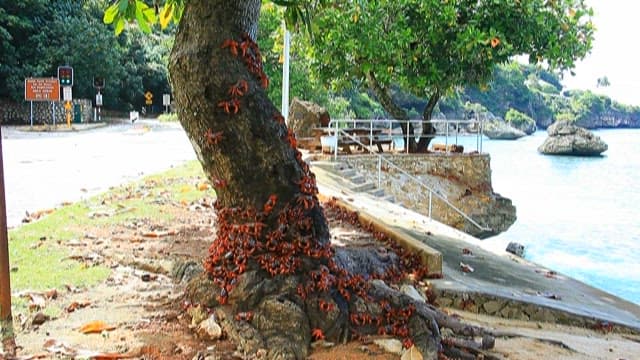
[77, 305]
[36, 301]
[97, 326]
[203, 186]
[155, 234]
[466, 268]
[185, 188]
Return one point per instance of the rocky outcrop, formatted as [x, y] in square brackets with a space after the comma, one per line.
[612, 119]
[499, 130]
[565, 138]
[528, 127]
[306, 115]
[463, 179]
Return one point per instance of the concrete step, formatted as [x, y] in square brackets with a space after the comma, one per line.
[330, 165]
[389, 198]
[348, 173]
[357, 179]
[378, 192]
[366, 186]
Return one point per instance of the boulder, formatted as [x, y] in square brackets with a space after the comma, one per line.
[565, 138]
[499, 130]
[306, 115]
[528, 127]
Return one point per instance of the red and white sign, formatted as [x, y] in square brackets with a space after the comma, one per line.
[41, 89]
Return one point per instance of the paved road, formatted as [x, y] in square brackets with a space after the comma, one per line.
[43, 169]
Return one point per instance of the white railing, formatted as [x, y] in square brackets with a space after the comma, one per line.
[432, 192]
[472, 127]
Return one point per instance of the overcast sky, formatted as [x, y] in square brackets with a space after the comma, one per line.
[615, 53]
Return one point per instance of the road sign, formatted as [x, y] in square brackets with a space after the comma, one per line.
[166, 100]
[149, 98]
[41, 89]
[66, 93]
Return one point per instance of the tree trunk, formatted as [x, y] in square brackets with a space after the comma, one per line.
[271, 263]
[393, 109]
[428, 130]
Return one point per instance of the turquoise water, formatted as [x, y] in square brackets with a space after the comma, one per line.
[578, 216]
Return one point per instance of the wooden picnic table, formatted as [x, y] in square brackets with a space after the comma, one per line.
[364, 136]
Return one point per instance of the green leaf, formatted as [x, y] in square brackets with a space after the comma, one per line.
[110, 14]
[142, 22]
[119, 25]
[123, 5]
[150, 15]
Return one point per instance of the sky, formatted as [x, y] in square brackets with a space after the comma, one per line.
[615, 53]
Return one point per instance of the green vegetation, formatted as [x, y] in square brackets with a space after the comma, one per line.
[45, 239]
[170, 117]
[407, 59]
[520, 121]
[37, 36]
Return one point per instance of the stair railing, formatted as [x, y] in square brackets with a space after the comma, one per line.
[420, 183]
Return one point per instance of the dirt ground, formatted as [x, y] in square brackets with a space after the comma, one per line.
[144, 315]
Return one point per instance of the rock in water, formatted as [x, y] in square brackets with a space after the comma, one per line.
[499, 130]
[565, 138]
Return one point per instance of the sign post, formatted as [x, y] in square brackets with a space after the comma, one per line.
[98, 83]
[166, 101]
[148, 96]
[6, 322]
[41, 89]
[68, 96]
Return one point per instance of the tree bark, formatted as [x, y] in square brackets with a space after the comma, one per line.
[398, 113]
[428, 130]
[271, 263]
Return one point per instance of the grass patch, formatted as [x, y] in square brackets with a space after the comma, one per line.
[170, 117]
[39, 261]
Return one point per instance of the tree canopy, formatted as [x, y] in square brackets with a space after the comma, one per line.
[430, 47]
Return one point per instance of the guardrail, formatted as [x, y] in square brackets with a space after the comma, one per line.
[432, 192]
[473, 127]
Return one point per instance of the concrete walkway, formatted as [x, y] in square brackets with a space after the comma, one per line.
[501, 284]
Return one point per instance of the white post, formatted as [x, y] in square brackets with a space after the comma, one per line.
[379, 171]
[31, 113]
[53, 113]
[406, 143]
[285, 74]
[335, 149]
[370, 136]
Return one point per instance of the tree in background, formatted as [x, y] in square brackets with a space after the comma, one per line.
[430, 47]
[37, 36]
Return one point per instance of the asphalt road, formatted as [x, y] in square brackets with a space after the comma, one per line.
[44, 169]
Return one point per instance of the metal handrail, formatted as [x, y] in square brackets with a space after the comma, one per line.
[479, 128]
[420, 183]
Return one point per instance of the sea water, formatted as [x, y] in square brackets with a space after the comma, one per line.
[576, 215]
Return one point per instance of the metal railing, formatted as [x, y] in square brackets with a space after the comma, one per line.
[471, 127]
[432, 192]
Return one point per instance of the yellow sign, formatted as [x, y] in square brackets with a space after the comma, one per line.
[67, 105]
[148, 102]
[148, 95]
